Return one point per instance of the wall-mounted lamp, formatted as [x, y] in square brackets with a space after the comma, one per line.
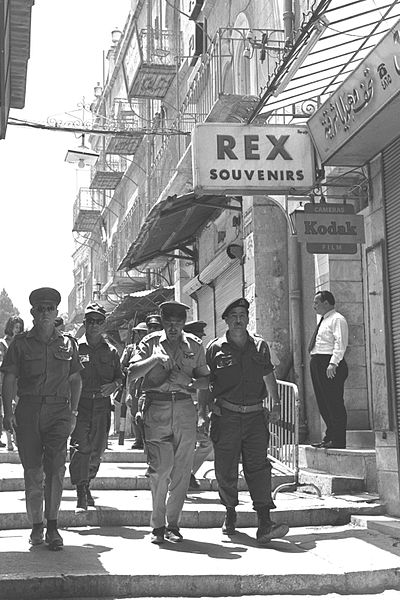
[116, 35]
[98, 90]
[235, 251]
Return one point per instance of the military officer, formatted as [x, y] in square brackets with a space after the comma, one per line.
[172, 364]
[241, 374]
[101, 377]
[45, 365]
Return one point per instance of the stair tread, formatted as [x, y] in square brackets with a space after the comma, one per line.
[115, 562]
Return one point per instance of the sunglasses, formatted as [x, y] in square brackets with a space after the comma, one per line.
[42, 308]
[90, 321]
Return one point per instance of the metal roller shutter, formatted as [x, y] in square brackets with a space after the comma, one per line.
[205, 299]
[391, 183]
[228, 287]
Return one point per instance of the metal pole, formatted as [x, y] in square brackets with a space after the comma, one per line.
[288, 21]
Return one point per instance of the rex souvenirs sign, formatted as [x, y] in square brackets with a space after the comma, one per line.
[231, 158]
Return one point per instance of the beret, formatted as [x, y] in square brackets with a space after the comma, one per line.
[95, 308]
[140, 326]
[174, 308]
[153, 320]
[45, 294]
[195, 327]
[242, 302]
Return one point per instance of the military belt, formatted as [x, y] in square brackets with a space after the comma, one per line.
[240, 408]
[167, 396]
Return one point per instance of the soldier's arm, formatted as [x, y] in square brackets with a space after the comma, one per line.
[8, 390]
[75, 383]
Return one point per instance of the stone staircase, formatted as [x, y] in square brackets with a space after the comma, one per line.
[107, 551]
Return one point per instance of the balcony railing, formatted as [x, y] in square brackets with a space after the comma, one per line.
[87, 209]
[108, 172]
[150, 62]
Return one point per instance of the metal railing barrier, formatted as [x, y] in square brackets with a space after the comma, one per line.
[284, 437]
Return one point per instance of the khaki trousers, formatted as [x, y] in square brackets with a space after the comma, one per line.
[170, 432]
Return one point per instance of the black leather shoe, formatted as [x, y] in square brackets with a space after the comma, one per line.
[37, 535]
[137, 445]
[333, 445]
[157, 535]
[54, 539]
[2, 445]
[273, 530]
[173, 534]
[318, 444]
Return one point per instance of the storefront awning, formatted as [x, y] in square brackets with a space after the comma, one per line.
[335, 37]
[172, 225]
[138, 303]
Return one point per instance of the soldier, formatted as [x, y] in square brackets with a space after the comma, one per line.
[173, 364]
[101, 377]
[46, 367]
[203, 448]
[241, 373]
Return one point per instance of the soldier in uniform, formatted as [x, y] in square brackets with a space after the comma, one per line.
[46, 367]
[101, 377]
[241, 374]
[173, 364]
[204, 448]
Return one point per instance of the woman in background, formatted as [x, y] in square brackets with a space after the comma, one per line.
[13, 326]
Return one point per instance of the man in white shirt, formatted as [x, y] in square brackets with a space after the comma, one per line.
[329, 369]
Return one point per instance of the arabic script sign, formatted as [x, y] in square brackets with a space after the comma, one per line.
[357, 103]
[329, 228]
[231, 158]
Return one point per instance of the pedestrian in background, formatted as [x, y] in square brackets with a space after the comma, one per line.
[132, 386]
[172, 364]
[241, 374]
[13, 326]
[329, 369]
[203, 449]
[101, 377]
[45, 365]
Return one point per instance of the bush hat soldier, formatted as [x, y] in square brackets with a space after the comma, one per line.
[45, 365]
[101, 377]
[172, 364]
[241, 374]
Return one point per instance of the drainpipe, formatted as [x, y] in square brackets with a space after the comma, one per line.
[149, 145]
[288, 22]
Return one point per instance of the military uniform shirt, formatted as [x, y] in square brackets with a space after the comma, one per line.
[42, 368]
[101, 365]
[237, 373]
[188, 358]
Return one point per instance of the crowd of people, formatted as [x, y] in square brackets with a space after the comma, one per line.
[187, 404]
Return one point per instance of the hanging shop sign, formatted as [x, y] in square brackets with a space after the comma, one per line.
[231, 158]
[329, 228]
[360, 118]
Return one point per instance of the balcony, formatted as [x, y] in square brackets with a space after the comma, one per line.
[127, 117]
[87, 210]
[108, 173]
[150, 62]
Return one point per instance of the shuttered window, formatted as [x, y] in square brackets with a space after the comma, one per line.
[205, 299]
[228, 287]
[391, 185]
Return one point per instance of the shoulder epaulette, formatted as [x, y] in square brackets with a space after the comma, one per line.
[211, 342]
[194, 337]
[149, 336]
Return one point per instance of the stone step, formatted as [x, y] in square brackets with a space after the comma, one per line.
[360, 438]
[120, 562]
[383, 523]
[331, 484]
[360, 463]
[126, 476]
[201, 509]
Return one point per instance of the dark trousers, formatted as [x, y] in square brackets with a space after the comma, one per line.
[42, 431]
[234, 434]
[329, 394]
[89, 438]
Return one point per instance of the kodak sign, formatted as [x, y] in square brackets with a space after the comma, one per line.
[232, 158]
[330, 228]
